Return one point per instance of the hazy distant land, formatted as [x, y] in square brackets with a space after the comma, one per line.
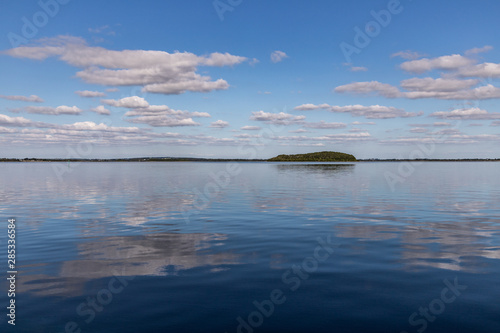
[324, 156]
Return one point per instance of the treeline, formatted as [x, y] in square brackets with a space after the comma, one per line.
[323, 156]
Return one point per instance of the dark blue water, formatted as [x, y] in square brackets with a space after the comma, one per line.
[253, 247]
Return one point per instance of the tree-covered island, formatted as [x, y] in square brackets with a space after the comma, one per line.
[323, 156]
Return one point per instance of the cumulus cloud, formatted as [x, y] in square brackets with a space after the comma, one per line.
[329, 138]
[484, 70]
[466, 114]
[88, 93]
[366, 88]
[450, 62]
[495, 123]
[478, 50]
[276, 118]
[452, 137]
[101, 110]
[155, 71]
[219, 124]
[278, 56]
[451, 86]
[324, 125]
[164, 121]
[374, 111]
[48, 110]
[300, 130]
[355, 68]
[310, 107]
[436, 124]
[447, 89]
[429, 84]
[34, 132]
[362, 123]
[251, 128]
[163, 116]
[419, 130]
[131, 102]
[370, 112]
[408, 55]
[16, 121]
[32, 98]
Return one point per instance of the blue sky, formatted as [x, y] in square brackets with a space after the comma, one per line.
[246, 79]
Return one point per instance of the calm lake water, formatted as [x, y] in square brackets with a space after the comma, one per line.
[253, 247]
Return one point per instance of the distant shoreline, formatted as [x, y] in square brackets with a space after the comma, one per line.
[188, 159]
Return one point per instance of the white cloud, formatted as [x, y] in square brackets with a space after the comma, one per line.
[156, 71]
[370, 112]
[495, 123]
[358, 69]
[419, 130]
[478, 50]
[329, 138]
[324, 125]
[101, 110]
[18, 132]
[278, 56]
[219, 124]
[409, 55]
[131, 102]
[466, 114]
[485, 70]
[310, 107]
[357, 130]
[366, 88]
[198, 84]
[355, 68]
[436, 124]
[164, 121]
[251, 128]
[452, 137]
[32, 98]
[88, 93]
[447, 89]
[300, 130]
[16, 121]
[105, 29]
[429, 84]
[441, 124]
[253, 61]
[48, 110]
[450, 62]
[163, 116]
[374, 111]
[362, 123]
[276, 118]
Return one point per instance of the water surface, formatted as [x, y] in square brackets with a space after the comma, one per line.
[207, 247]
